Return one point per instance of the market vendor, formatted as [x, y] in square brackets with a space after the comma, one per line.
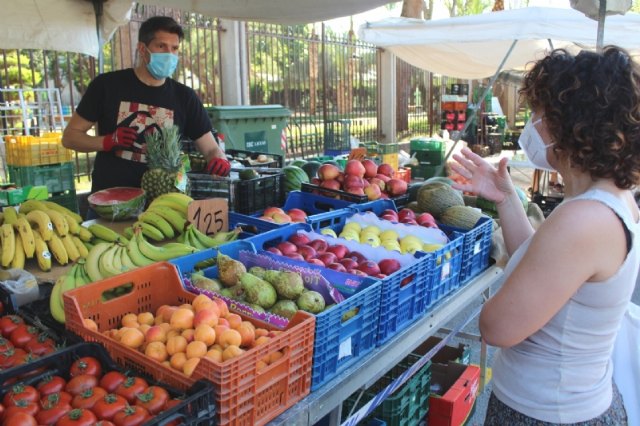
[127, 103]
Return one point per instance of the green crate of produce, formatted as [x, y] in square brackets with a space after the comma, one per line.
[56, 177]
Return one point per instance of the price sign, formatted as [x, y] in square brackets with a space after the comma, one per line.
[209, 216]
[358, 154]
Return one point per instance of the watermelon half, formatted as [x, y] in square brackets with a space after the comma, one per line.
[118, 203]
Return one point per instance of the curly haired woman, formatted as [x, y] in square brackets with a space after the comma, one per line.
[567, 285]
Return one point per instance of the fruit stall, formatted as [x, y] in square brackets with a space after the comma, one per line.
[247, 300]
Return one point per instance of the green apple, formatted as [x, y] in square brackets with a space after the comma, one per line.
[371, 229]
[328, 231]
[391, 245]
[431, 247]
[410, 241]
[389, 234]
[352, 225]
[371, 240]
[349, 234]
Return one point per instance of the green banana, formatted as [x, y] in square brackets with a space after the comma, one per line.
[127, 263]
[160, 253]
[91, 264]
[217, 240]
[106, 262]
[149, 231]
[176, 219]
[191, 238]
[135, 254]
[107, 234]
[158, 222]
[128, 232]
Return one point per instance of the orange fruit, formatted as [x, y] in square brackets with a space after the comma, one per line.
[90, 324]
[176, 344]
[156, 333]
[200, 300]
[274, 356]
[261, 340]
[196, 349]
[229, 337]
[188, 334]
[234, 320]
[188, 306]
[261, 365]
[247, 334]
[130, 320]
[231, 351]
[205, 334]
[189, 366]
[145, 318]
[214, 354]
[156, 350]
[132, 337]
[223, 321]
[182, 319]
[261, 332]
[222, 305]
[177, 360]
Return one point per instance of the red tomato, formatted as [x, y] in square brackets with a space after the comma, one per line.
[86, 365]
[5, 344]
[20, 392]
[51, 412]
[50, 384]
[22, 334]
[154, 399]
[21, 419]
[111, 380]
[21, 357]
[41, 345]
[61, 397]
[108, 406]
[21, 406]
[9, 357]
[88, 398]
[77, 385]
[133, 415]
[131, 388]
[78, 417]
[8, 323]
[105, 423]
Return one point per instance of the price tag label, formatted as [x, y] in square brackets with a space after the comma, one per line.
[209, 216]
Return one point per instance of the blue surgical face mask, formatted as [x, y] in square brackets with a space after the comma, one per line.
[534, 147]
[162, 65]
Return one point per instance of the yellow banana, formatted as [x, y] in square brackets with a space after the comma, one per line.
[160, 253]
[91, 264]
[43, 255]
[57, 248]
[26, 234]
[82, 249]
[18, 257]
[176, 219]
[70, 247]
[133, 250]
[42, 222]
[62, 209]
[107, 234]
[84, 234]
[29, 205]
[149, 231]
[10, 215]
[58, 221]
[106, 262]
[74, 227]
[158, 222]
[55, 300]
[8, 238]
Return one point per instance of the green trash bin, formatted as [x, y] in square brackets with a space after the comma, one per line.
[430, 155]
[251, 128]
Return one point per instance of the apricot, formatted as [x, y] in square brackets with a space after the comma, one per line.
[229, 337]
[247, 334]
[90, 324]
[182, 319]
[156, 350]
[189, 366]
[145, 318]
[156, 333]
[200, 300]
[214, 354]
[234, 320]
[196, 349]
[205, 334]
[188, 334]
[176, 344]
[132, 337]
[231, 351]
[177, 360]
[130, 320]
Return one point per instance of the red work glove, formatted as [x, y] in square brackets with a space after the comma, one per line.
[219, 167]
[122, 137]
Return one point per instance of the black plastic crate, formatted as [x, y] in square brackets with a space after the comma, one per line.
[400, 201]
[246, 158]
[68, 199]
[546, 203]
[196, 409]
[244, 196]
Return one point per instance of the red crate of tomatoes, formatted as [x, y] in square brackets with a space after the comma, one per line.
[81, 385]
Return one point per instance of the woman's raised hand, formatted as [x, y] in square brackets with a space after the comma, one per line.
[484, 180]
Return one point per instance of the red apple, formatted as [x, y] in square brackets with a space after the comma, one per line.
[357, 256]
[389, 266]
[369, 267]
[328, 171]
[270, 211]
[340, 177]
[379, 182]
[354, 168]
[370, 168]
[373, 192]
[295, 256]
[299, 239]
[319, 245]
[316, 262]
[349, 263]
[357, 272]
[330, 184]
[267, 218]
[337, 267]
[396, 187]
[351, 181]
[384, 196]
[307, 252]
[327, 258]
[297, 215]
[409, 221]
[355, 191]
[380, 276]
[391, 212]
[281, 218]
[286, 248]
[404, 213]
[274, 251]
[425, 218]
[389, 217]
[383, 178]
[339, 250]
[386, 169]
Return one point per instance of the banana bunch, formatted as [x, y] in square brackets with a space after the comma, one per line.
[75, 277]
[165, 218]
[195, 238]
[41, 230]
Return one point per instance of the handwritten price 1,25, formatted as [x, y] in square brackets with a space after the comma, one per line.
[212, 222]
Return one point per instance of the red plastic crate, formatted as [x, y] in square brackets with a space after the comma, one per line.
[404, 174]
[244, 395]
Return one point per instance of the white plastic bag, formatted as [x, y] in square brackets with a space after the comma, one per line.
[626, 363]
[22, 284]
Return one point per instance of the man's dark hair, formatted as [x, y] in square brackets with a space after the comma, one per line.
[149, 28]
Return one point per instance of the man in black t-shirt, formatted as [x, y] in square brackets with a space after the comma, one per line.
[128, 103]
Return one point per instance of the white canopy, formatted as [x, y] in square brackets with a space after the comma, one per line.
[70, 25]
[472, 47]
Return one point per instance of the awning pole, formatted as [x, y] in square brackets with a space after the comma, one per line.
[97, 7]
[474, 107]
[601, 17]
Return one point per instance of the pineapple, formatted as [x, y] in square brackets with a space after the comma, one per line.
[164, 161]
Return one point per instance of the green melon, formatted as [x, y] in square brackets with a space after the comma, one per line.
[297, 163]
[463, 217]
[118, 203]
[294, 177]
[436, 197]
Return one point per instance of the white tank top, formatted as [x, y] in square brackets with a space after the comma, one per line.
[562, 373]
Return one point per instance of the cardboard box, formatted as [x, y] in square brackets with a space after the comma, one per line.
[458, 384]
[460, 354]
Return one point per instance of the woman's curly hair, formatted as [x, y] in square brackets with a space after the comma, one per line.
[591, 105]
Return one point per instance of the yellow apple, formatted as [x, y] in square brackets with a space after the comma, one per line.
[328, 231]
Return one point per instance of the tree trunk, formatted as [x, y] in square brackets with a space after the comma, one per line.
[313, 73]
[410, 9]
[413, 8]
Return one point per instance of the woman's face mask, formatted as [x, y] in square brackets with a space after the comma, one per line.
[162, 65]
[534, 147]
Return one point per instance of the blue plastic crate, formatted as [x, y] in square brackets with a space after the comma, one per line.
[251, 225]
[444, 275]
[313, 203]
[377, 206]
[476, 248]
[187, 264]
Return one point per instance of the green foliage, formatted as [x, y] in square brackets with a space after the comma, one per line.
[467, 7]
[21, 69]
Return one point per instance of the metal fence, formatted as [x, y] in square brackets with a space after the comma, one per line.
[329, 81]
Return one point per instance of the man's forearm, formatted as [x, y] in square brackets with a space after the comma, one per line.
[80, 141]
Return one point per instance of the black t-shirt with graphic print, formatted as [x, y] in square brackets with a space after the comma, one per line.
[119, 99]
